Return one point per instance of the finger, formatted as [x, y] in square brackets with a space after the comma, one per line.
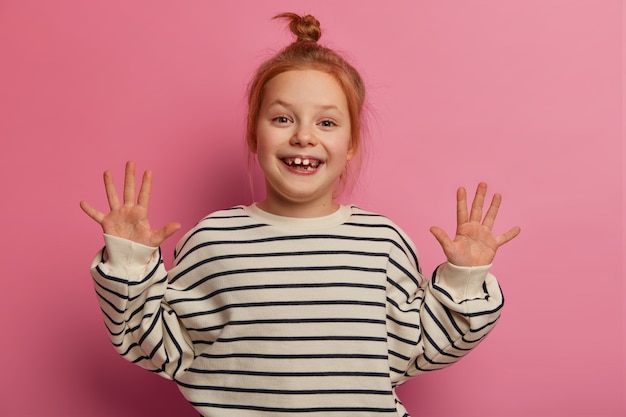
[442, 237]
[144, 191]
[476, 214]
[165, 232]
[91, 212]
[111, 192]
[129, 183]
[508, 236]
[461, 206]
[490, 217]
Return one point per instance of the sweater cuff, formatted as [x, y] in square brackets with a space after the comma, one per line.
[128, 256]
[463, 282]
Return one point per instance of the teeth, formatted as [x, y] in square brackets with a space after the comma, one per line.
[306, 162]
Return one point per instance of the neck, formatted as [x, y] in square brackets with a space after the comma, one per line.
[305, 210]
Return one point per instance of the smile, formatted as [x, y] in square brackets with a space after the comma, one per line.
[302, 164]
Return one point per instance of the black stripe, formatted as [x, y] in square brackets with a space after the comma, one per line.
[215, 229]
[296, 410]
[294, 356]
[277, 286]
[289, 374]
[301, 338]
[288, 321]
[283, 238]
[266, 255]
[280, 269]
[411, 253]
[285, 392]
[282, 303]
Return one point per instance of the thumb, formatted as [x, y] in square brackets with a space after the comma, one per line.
[165, 232]
[441, 236]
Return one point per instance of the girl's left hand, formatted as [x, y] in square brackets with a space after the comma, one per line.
[474, 243]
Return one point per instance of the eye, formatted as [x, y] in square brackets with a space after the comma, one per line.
[281, 119]
[327, 123]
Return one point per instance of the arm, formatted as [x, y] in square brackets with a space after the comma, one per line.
[434, 323]
[461, 306]
[131, 280]
[438, 322]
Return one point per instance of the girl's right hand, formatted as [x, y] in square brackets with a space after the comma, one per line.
[129, 220]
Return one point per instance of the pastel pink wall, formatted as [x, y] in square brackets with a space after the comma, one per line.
[526, 95]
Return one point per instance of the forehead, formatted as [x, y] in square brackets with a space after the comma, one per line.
[301, 87]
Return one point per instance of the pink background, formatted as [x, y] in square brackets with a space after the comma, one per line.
[526, 95]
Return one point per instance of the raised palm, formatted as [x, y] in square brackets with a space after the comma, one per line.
[474, 243]
[128, 219]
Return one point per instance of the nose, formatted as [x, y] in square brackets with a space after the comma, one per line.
[304, 136]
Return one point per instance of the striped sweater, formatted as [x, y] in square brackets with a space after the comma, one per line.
[264, 315]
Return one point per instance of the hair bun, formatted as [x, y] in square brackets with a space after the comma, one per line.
[306, 28]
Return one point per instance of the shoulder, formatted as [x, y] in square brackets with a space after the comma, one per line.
[219, 224]
[231, 213]
[374, 221]
[377, 225]
[229, 219]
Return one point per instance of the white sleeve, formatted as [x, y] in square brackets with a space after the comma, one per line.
[130, 281]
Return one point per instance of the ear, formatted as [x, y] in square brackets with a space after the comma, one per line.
[351, 152]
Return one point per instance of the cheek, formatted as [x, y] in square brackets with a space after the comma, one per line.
[264, 148]
[260, 139]
[261, 151]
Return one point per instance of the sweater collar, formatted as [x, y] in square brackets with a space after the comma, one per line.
[302, 224]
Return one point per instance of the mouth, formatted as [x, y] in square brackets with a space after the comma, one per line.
[304, 164]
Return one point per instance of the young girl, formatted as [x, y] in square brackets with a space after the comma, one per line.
[296, 304]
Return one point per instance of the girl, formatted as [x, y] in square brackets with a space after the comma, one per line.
[295, 304]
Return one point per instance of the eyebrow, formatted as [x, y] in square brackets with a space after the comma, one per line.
[279, 102]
